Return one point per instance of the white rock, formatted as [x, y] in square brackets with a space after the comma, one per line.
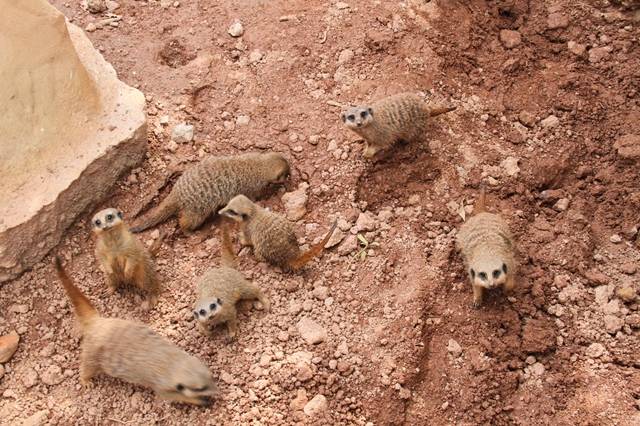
[595, 350]
[365, 222]
[612, 324]
[550, 122]
[345, 56]
[615, 238]
[335, 239]
[182, 133]
[320, 292]
[317, 406]
[454, 348]
[96, 6]
[52, 375]
[510, 166]
[312, 332]
[561, 205]
[255, 56]
[242, 120]
[537, 369]
[295, 202]
[342, 5]
[304, 372]
[236, 29]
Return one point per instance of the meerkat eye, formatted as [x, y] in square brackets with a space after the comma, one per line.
[180, 387]
[120, 215]
[212, 306]
[203, 312]
[109, 217]
[351, 117]
[363, 114]
[496, 273]
[482, 275]
[98, 222]
[473, 273]
[504, 268]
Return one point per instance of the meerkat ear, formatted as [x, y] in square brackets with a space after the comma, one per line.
[371, 111]
[504, 268]
[344, 117]
[120, 214]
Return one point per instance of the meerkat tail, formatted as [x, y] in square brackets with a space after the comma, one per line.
[83, 307]
[167, 208]
[227, 257]
[313, 251]
[440, 110]
[481, 203]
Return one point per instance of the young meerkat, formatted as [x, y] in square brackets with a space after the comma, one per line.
[270, 234]
[220, 289]
[400, 117]
[123, 258]
[487, 247]
[209, 185]
[133, 352]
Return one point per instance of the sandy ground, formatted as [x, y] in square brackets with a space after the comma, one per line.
[546, 95]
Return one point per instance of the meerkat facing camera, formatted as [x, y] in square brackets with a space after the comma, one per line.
[487, 247]
[400, 117]
[123, 258]
[270, 234]
[220, 289]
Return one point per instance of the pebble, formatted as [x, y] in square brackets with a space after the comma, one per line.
[112, 6]
[312, 332]
[29, 378]
[298, 403]
[527, 119]
[255, 56]
[550, 122]
[597, 54]
[365, 222]
[628, 146]
[320, 292]
[557, 20]
[283, 336]
[342, 5]
[172, 146]
[615, 238]
[612, 324]
[304, 372]
[561, 205]
[576, 48]
[236, 29]
[537, 369]
[52, 375]
[510, 38]
[242, 120]
[182, 133]
[19, 309]
[295, 202]
[317, 406]
[345, 56]
[530, 360]
[454, 348]
[595, 350]
[626, 294]
[510, 166]
[335, 239]
[96, 6]
[8, 346]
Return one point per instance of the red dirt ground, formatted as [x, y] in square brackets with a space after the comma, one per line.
[562, 351]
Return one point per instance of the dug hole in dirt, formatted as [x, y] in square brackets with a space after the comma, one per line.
[547, 119]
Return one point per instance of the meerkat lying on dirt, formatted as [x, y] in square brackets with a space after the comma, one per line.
[383, 123]
[270, 234]
[123, 258]
[210, 184]
[487, 247]
[220, 289]
[133, 352]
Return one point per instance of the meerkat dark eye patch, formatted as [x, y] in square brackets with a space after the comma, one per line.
[473, 273]
[363, 114]
[244, 216]
[351, 117]
[219, 301]
[120, 215]
[98, 222]
[212, 306]
[180, 387]
[109, 217]
[504, 268]
[496, 273]
[482, 275]
[203, 312]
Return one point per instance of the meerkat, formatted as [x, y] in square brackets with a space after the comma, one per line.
[487, 247]
[212, 183]
[270, 234]
[383, 123]
[123, 258]
[220, 289]
[133, 352]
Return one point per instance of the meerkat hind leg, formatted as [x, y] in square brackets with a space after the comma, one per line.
[509, 284]
[190, 220]
[88, 369]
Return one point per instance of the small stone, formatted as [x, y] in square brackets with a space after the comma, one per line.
[164, 120]
[454, 348]
[365, 222]
[615, 239]
[8, 346]
[629, 268]
[550, 122]
[444, 405]
[530, 360]
[52, 375]
[304, 372]
[510, 38]
[255, 56]
[242, 120]
[342, 5]
[91, 27]
[19, 309]
[348, 246]
[576, 48]
[557, 20]
[314, 139]
[628, 147]
[527, 119]
[561, 205]
[595, 350]
[405, 393]
[317, 406]
[320, 292]
[596, 278]
[335, 239]
[236, 29]
[283, 336]
[112, 6]
[627, 294]
[312, 332]
[172, 146]
[298, 403]
[295, 202]
[36, 419]
[597, 54]
[96, 6]
[29, 378]
[612, 324]
[182, 133]
[510, 166]
[537, 369]
[345, 56]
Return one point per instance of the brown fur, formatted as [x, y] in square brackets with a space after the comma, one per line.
[209, 185]
[399, 117]
[133, 352]
[270, 234]
[487, 247]
[123, 258]
[220, 289]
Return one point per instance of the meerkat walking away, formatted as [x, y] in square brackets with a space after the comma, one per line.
[133, 352]
[123, 258]
[487, 247]
[270, 234]
[220, 289]
[383, 123]
[210, 184]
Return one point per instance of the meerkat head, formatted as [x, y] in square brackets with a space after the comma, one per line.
[357, 117]
[207, 309]
[277, 168]
[106, 219]
[488, 272]
[190, 381]
[240, 209]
